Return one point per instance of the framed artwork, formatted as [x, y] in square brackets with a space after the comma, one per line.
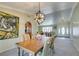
[9, 26]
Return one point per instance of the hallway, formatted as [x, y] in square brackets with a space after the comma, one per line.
[63, 47]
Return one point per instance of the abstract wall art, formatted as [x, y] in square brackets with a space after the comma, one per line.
[9, 26]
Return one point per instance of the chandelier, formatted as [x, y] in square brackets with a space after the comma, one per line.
[39, 16]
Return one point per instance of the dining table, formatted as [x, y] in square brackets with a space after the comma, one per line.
[32, 46]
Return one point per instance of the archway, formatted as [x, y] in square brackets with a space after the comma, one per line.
[28, 28]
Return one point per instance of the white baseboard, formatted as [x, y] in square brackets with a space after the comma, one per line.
[7, 49]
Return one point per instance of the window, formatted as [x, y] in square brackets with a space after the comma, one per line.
[47, 29]
[67, 30]
[59, 31]
[63, 30]
[76, 30]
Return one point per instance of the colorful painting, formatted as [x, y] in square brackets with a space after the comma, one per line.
[9, 26]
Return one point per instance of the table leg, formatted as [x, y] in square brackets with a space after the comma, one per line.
[18, 51]
[38, 51]
[22, 52]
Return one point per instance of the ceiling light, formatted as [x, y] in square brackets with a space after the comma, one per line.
[39, 16]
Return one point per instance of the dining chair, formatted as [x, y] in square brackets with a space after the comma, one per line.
[48, 49]
[38, 37]
[25, 37]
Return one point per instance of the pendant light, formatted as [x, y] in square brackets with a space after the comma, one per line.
[39, 16]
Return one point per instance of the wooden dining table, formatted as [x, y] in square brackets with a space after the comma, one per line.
[32, 46]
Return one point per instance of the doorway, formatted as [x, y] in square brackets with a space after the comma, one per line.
[28, 28]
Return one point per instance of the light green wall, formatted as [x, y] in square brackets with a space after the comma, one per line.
[75, 18]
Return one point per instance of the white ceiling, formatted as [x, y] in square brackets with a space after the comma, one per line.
[32, 7]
